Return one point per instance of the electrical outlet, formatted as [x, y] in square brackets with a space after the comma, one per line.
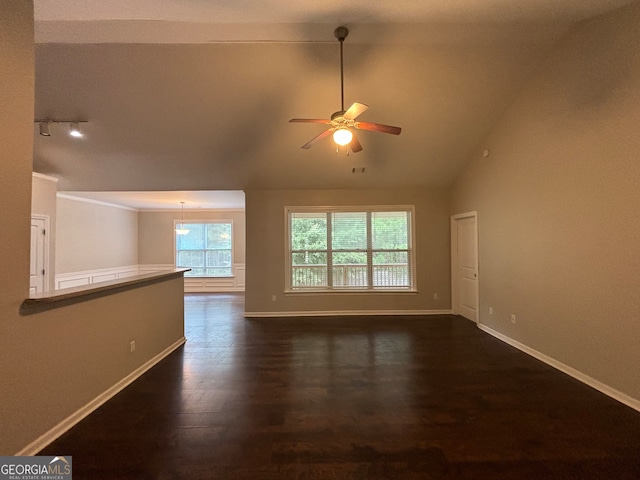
[435, 296]
[490, 310]
[132, 346]
[273, 298]
[513, 318]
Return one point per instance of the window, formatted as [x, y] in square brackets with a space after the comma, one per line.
[206, 249]
[350, 249]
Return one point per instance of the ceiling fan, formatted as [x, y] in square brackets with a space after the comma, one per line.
[343, 122]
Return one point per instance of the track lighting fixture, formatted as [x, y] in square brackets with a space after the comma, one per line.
[44, 129]
[74, 129]
[74, 126]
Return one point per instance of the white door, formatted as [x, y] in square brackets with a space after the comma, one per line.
[464, 237]
[38, 242]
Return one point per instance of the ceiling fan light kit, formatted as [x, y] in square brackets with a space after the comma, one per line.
[343, 122]
[342, 136]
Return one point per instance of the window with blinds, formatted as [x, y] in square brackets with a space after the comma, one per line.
[350, 249]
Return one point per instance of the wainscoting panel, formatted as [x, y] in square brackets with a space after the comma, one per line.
[219, 284]
[88, 277]
[71, 282]
[235, 283]
[159, 267]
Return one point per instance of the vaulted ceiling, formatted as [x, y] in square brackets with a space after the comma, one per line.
[192, 95]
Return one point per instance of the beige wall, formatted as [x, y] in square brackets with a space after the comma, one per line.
[71, 355]
[43, 202]
[91, 236]
[266, 251]
[43, 195]
[156, 238]
[52, 363]
[558, 201]
[16, 151]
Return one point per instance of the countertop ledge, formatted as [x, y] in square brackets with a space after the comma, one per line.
[68, 296]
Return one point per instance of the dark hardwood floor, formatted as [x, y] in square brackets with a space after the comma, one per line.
[350, 398]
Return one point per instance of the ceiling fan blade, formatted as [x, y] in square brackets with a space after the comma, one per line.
[355, 110]
[317, 138]
[378, 127]
[355, 145]
[309, 120]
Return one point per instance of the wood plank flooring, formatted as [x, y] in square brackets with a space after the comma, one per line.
[350, 398]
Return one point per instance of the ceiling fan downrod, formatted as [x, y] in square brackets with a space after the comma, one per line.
[341, 33]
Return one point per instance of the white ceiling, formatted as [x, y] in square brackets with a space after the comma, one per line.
[190, 95]
[211, 200]
[325, 11]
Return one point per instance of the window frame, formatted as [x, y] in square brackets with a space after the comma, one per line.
[210, 221]
[370, 289]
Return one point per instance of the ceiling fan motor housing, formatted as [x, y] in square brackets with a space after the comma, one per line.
[341, 33]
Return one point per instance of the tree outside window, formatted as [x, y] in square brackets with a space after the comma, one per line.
[343, 249]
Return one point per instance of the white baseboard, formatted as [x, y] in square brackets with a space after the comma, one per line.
[334, 313]
[45, 439]
[572, 372]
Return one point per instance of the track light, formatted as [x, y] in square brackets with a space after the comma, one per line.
[44, 129]
[74, 129]
[74, 126]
